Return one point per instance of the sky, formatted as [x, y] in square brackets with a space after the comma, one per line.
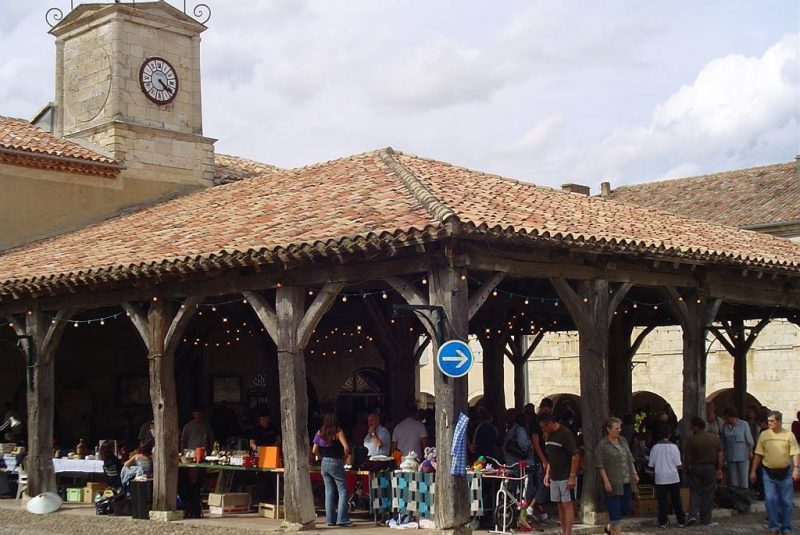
[548, 92]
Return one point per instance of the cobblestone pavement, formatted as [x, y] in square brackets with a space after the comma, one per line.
[71, 522]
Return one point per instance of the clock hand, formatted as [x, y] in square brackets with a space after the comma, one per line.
[165, 87]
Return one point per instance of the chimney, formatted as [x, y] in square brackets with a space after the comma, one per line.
[605, 189]
[576, 188]
[797, 166]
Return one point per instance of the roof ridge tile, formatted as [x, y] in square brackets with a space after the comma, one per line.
[435, 206]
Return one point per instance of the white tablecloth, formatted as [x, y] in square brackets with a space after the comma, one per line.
[78, 465]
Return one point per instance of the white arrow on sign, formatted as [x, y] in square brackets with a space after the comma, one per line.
[461, 358]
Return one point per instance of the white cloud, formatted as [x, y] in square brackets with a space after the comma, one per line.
[536, 138]
[735, 106]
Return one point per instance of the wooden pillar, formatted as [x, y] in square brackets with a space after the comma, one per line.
[41, 338]
[291, 327]
[161, 329]
[518, 354]
[592, 307]
[695, 314]
[294, 405]
[737, 341]
[621, 351]
[448, 289]
[494, 392]
[400, 353]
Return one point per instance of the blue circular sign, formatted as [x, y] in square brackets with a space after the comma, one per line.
[455, 358]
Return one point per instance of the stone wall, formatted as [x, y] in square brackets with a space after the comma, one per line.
[773, 369]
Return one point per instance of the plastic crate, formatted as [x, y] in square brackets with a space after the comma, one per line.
[75, 495]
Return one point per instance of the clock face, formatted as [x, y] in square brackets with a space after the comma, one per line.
[158, 80]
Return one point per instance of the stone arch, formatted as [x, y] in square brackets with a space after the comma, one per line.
[363, 391]
[724, 397]
[474, 397]
[426, 399]
[647, 398]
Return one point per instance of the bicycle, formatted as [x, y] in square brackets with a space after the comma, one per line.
[507, 505]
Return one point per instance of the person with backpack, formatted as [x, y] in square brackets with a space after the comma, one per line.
[517, 448]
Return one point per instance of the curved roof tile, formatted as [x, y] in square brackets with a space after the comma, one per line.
[377, 199]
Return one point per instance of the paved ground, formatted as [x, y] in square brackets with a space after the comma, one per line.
[80, 520]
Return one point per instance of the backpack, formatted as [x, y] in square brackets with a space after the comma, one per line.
[513, 448]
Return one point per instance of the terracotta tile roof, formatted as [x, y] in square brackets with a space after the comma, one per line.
[232, 168]
[21, 143]
[741, 198]
[380, 199]
[492, 202]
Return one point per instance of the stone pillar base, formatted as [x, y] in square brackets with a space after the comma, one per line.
[594, 518]
[295, 526]
[463, 530]
[166, 516]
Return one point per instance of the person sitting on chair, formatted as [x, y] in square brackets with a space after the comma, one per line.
[138, 464]
[112, 466]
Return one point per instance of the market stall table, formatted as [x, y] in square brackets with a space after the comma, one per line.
[414, 492]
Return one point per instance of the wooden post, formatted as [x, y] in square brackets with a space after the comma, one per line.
[494, 392]
[592, 308]
[448, 289]
[291, 327]
[737, 342]
[620, 368]
[161, 330]
[42, 336]
[400, 353]
[695, 314]
[518, 354]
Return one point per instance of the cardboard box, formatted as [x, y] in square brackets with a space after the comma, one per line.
[269, 457]
[229, 502]
[75, 495]
[270, 510]
[647, 492]
[96, 486]
[646, 507]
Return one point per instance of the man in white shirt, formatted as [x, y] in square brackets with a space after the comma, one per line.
[665, 458]
[377, 441]
[410, 435]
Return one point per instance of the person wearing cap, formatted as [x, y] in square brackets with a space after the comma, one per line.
[562, 469]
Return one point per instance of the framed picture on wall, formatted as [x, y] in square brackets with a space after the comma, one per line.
[133, 390]
[226, 388]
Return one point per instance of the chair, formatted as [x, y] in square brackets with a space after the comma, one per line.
[22, 482]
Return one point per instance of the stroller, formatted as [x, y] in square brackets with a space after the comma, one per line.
[119, 503]
[359, 499]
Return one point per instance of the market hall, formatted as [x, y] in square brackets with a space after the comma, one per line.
[339, 247]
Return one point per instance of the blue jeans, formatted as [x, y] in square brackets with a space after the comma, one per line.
[619, 505]
[778, 499]
[335, 483]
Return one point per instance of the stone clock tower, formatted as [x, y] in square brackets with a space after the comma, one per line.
[128, 80]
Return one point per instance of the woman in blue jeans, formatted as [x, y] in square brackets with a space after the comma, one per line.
[331, 444]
